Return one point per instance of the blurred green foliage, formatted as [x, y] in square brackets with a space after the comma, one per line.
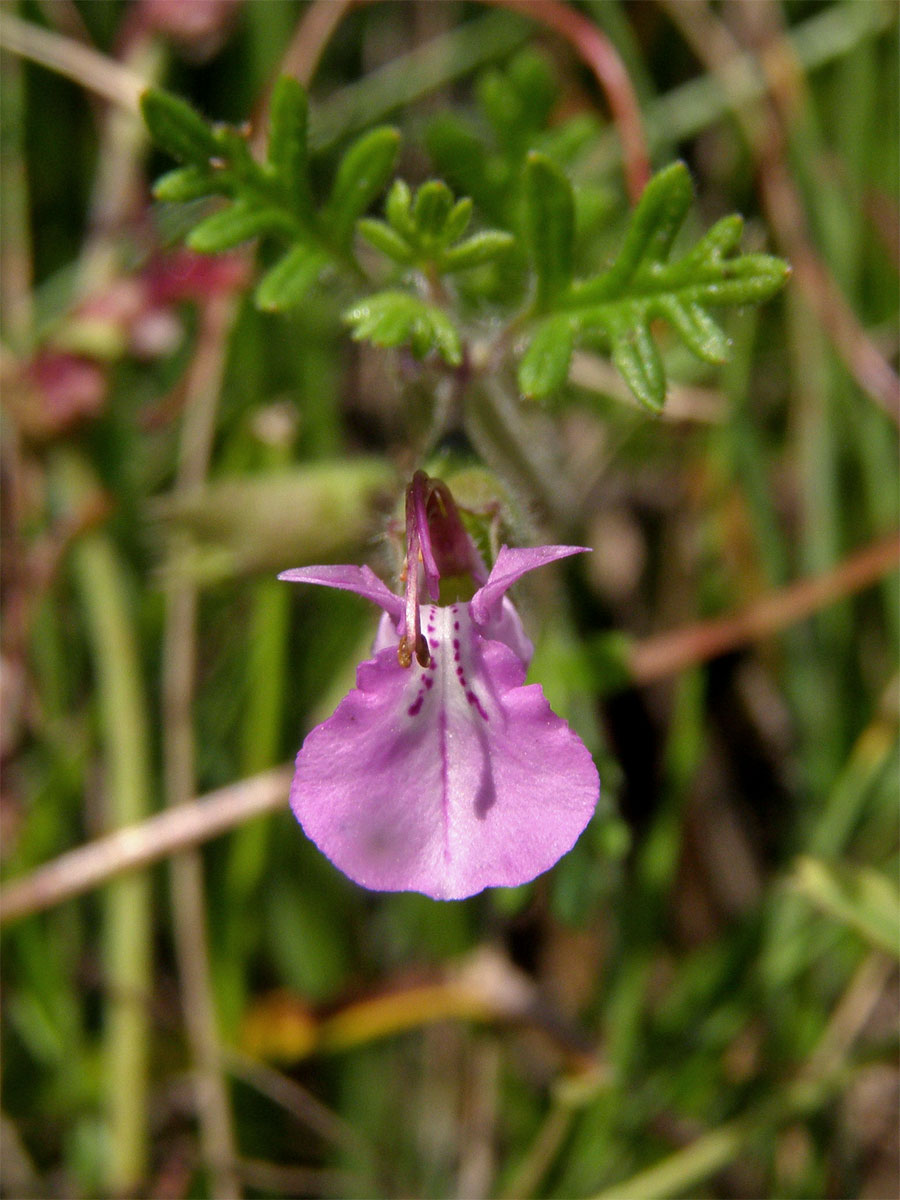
[707, 983]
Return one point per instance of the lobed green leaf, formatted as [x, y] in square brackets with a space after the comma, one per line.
[638, 361]
[286, 284]
[178, 128]
[287, 150]
[238, 223]
[398, 208]
[431, 208]
[192, 183]
[386, 239]
[652, 226]
[544, 367]
[549, 227]
[643, 284]
[394, 318]
[476, 250]
[361, 175]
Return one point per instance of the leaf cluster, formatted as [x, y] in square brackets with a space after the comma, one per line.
[517, 181]
[273, 197]
[426, 231]
[641, 284]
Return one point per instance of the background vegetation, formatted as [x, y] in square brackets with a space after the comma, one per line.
[701, 999]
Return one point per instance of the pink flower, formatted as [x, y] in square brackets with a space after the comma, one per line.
[442, 772]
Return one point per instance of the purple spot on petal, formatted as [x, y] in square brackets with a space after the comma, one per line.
[456, 624]
[429, 682]
[476, 704]
[456, 643]
[414, 708]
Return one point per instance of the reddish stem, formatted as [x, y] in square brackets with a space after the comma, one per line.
[667, 653]
[598, 52]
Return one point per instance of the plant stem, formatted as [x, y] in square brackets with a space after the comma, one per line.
[95, 72]
[668, 653]
[598, 52]
[179, 656]
[114, 649]
[138, 845]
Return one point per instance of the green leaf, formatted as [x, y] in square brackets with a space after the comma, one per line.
[652, 227]
[860, 897]
[432, 206]
[362, 174]
[500, 102]
[549, 226]
[286, 284]
[394, 318]
[287, 150]
[458, 220]
[238, 223]
[191, 183]
[697, 329]
[721, 239]
[638, 360]
[398, 208]
[533, 79]
[666, 200]
[517, 101]
[478, 249]
[643, 284]
[545, 365]
[462, 159]
[178, 128]
[385, 238]
[566, 142]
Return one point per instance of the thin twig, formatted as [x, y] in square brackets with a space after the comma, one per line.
[541, 1154]
[179, 656]
[128, 849]
[668, 653]
[299, 1181]
[851, 1014]
[93, 71]
[295, 1099]
[118, 190]
[598, 52]
[313, 33]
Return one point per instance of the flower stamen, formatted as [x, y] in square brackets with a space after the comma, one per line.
[418, 547]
